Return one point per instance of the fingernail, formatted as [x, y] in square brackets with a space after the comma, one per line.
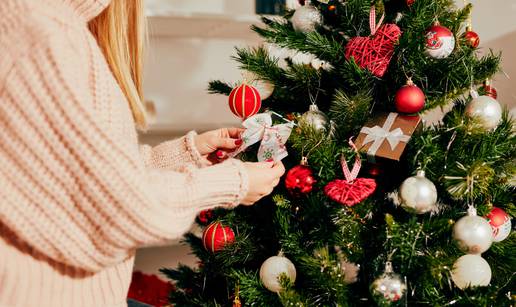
[238, 142]
[269, 160]
[219, 154]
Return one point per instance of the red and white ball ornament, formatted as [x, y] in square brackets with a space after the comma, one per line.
[216, 236]
[300, 179]
[245, 101]
[440, 41]
[409, 98]
[500, 221]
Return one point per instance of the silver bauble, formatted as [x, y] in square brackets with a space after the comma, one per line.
[487, 110]
[315, 119]
[418, 194]
[271, 270]
[388, 288]
[473, 233]
[471, 271]
[306, 18]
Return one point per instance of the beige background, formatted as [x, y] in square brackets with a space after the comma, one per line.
[191, 43]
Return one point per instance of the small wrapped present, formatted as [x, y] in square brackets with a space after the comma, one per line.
[386, 136]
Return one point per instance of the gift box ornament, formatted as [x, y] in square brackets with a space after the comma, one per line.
[386, 136]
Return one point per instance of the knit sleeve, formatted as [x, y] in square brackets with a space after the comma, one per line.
[77, 193]
[174, 154]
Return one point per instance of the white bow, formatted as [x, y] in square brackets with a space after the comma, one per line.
[273, 138]
[378, 134]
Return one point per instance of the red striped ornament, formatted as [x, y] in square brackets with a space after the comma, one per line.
[216, 236]
[245, 101]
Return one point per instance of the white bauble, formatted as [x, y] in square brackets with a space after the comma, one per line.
[487, 110]
[271, 270]
[306, 18]
[265, 88]
[418, 194]
[473, 233]
[471, 271]
[302, 58]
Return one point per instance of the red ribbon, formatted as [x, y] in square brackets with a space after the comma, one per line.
[372, 20]
[351, 175]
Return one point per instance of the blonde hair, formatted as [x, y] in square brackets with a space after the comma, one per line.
[120, 31]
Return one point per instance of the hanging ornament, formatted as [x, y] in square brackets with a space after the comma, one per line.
[264, 87]
[472, 38]
[486, 109]
[440, 41]
[374, 52]
[244, 101]
[205, 216]
[350, 191]
[471, 271]
[300, 179]
[306, 18]
[315, 119]
[388, 287]
[472, 233]
[409, 98]
[216, 236]
[488, 90]
[500, 221]
[410, 2]
[418, 194]
[273, 268]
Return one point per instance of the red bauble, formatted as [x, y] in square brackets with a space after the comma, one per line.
[244, 101]
[488, 90]
[409, 99]
[216, 236]
[472, 39]
[410, 2]
[374, 52]
[350, 193]
[300, 180]
[500, 221]
[205, 216]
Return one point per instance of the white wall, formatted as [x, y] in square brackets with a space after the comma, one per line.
[179, 69]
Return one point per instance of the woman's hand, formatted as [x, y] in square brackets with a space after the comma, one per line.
[215, 144]
[263, 177]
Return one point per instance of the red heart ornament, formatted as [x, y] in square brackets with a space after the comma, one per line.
[374, 52]
[350, 193]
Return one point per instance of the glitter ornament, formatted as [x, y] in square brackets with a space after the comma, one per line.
[315, 119]
[300, 179]
[216, 236]
[273, 268]
[472, 233]
[306, 18]
[440, 41]
[409, 98]
[486, 109]
[418, 194]
[388, 288]
[500, 222]
[471, 271]
[245, 101]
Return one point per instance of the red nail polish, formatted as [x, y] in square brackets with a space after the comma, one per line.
[238, 142]
[269, 160]
[219, 154]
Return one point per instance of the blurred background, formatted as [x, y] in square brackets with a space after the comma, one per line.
[191, 42]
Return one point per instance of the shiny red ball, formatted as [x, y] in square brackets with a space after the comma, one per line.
[300, 180]
[472, 39]
[216, 236]
[489, 90]
[245, 101]
[410, 2]
[409, 99]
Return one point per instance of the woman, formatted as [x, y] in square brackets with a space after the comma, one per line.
[78, 195]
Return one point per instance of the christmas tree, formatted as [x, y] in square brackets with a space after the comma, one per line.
[376, 208]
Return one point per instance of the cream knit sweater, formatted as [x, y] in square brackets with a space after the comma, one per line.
[77, 193]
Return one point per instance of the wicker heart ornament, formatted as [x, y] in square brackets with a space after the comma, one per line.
[374, 52]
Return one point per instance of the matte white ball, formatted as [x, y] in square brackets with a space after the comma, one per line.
[418, 194]
[487, 110]
[306, 18]
[473, 234]
[471, 271]
[271, 270]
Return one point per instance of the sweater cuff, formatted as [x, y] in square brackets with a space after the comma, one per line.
[194, 153]
[226, 184]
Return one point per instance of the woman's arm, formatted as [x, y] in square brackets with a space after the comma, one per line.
[77, 193]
